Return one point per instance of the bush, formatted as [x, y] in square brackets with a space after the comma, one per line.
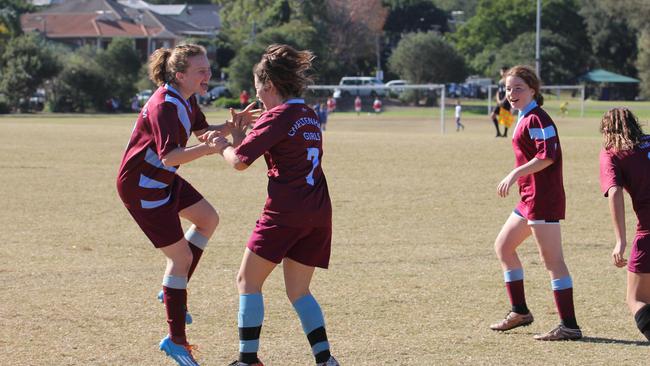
[4, 107]
[225, 102]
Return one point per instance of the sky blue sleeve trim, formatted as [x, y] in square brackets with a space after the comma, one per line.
[562, 283]
[183, 113]
[251, 310]
[249, 346]
[196, 238]
[152, 158]
[309, 312]
[176, 282]
[146, 182]
[513, 275]
[320, 347]
[154, 204]
[542, 133]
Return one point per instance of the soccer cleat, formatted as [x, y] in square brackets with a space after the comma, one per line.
[331, 362]
[560, 333]
[188, 316]
[239, 363]
[182, 354]
[513, 320]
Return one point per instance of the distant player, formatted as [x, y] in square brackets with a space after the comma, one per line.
[357, 105]
[625, 164]
[502, 103]
[295, 227]
[244, 98]
[157, 197]
[331, 104]
[377, 105]
[538, 172]
[458, 112]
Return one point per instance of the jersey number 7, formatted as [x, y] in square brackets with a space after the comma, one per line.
[312, 155]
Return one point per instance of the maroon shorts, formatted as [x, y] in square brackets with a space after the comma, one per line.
[309, 246]
[162, 225]
[640, 255]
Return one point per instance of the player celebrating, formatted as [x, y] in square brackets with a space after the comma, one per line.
[155, 196]
[538, 171]
[624, 165]
[295, 227]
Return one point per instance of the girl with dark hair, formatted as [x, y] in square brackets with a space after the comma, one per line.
[538, 172]
[625, 164]
[156, 196]
[295, 227]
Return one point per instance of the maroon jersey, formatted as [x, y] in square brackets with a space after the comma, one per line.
[290, 138]
[164, 124]
[630, 169]
[542, 193]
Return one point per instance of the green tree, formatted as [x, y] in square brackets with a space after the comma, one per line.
[82, 83]
[427, 58]
[613, 41]
[27, 62]
[121, 64]
[497, 23]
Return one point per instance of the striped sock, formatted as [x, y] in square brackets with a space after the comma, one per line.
[514, 280]
[313, 325]
[251, 316]
[563, 294]
[198, 242]
[175, 298]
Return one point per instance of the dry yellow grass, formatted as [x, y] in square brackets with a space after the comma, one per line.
[413, 276]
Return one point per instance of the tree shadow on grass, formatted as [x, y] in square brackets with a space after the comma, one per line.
[613, 341]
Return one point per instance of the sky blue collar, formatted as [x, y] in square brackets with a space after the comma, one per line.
[527, 109]
[173, 90]
[295, 101]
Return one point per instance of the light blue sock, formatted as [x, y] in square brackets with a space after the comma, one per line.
[313, 324]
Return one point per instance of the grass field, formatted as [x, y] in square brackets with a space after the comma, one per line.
[413, 280]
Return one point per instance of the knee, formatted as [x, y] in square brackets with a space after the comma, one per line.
[245, 286]
[209, 221]
[295, 294]
[502, 249]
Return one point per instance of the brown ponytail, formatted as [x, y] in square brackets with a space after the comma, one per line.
[164, 63]
[286, 68]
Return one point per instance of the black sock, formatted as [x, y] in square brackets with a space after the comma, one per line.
[570, 323]
[642, 318]
[520, 309]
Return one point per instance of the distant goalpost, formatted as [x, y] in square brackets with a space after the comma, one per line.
[395, 88]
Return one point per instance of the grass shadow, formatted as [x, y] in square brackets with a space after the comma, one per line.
[613, 341]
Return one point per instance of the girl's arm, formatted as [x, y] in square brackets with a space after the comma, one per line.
[533, 166]
[182, 155]
[617, 210]
[231, 158]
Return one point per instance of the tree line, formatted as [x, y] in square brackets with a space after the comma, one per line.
[423, 41]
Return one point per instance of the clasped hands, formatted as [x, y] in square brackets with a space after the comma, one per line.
[235, 126]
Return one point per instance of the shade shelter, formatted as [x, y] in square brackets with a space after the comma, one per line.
[609, 85]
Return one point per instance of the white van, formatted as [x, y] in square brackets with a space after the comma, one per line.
[349, 82]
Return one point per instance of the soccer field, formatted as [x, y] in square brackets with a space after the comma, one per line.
[413, 278]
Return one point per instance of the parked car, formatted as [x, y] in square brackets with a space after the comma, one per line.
[351, 81]
[394, 86]
[213, 94]
[143, 96]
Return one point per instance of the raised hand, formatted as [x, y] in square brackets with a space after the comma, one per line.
[246, 117]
